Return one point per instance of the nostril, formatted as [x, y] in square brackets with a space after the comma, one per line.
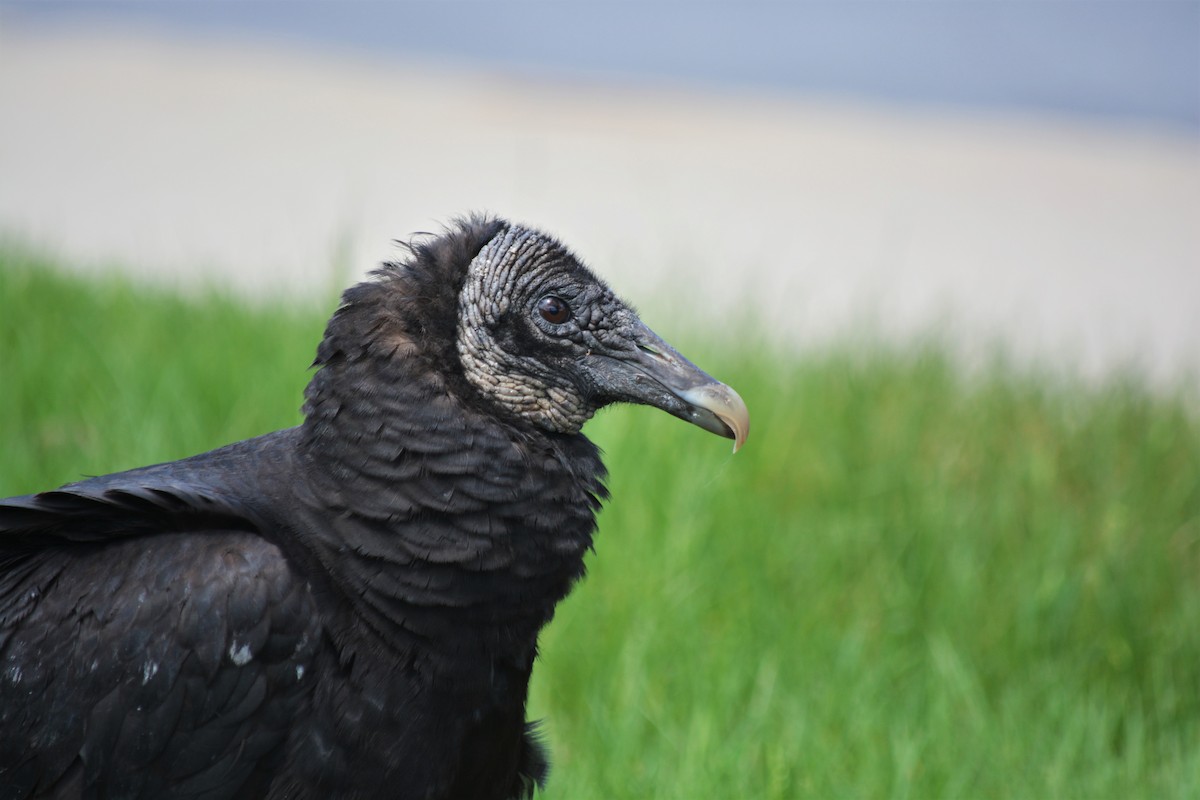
[645, 348]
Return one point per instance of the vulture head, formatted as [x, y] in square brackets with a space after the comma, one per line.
[533, 333]
[546, 340]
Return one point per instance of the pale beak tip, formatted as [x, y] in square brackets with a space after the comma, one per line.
[727, 406]
[738, 421]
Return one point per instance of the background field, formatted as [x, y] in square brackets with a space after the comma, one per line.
[913, 582]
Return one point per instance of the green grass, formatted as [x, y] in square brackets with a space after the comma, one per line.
[911, 583]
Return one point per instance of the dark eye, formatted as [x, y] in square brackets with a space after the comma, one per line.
[554, 310]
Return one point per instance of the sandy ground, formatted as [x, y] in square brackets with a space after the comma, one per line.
[285, 173]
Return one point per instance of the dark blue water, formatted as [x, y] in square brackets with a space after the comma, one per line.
[1117, 59]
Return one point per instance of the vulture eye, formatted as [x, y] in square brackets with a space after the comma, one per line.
[554, 310]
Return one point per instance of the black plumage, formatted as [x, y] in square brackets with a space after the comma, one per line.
[348, 608]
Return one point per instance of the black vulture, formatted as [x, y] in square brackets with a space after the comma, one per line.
[350, 607]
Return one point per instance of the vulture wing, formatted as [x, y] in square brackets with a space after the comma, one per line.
[166, 637]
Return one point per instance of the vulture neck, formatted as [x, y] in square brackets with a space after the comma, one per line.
[451, 530]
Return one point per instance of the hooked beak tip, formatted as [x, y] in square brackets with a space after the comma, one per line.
[726, 405]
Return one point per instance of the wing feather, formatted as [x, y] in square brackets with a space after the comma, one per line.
[161, 661]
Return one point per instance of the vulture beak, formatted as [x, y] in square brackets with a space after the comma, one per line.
[656, 374]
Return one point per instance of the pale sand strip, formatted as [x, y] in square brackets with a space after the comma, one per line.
[261, 167]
